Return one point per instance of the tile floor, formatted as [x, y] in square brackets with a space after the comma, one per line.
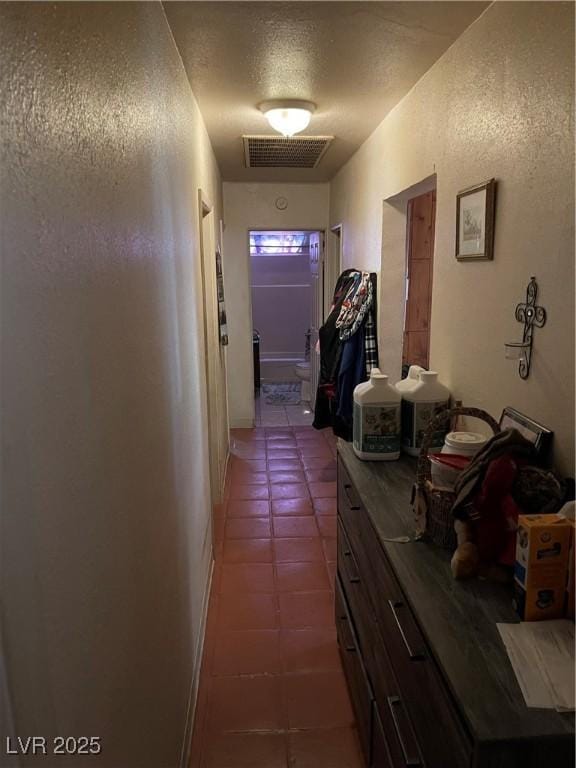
[272, 691]
[267, 415]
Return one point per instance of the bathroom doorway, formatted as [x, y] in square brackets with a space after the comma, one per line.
[286, 285]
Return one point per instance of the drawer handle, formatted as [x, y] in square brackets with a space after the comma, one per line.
[353, 507]
[415, 655]
[351, 579]
[409, 749]
[349, 648]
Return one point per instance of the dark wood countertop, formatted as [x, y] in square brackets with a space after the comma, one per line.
[457, 618]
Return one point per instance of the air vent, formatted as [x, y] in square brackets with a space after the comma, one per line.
[282, 152]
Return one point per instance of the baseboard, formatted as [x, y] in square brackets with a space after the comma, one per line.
[242, 423]
[225, 475]
[193, 697]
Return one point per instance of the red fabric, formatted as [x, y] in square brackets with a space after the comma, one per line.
[495, 530]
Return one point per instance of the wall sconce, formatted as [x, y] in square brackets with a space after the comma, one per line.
[531, 315]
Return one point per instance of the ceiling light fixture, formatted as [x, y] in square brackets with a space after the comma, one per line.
[288, 116]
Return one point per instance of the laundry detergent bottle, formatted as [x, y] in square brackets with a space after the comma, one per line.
[411, 381]
[420, 404]
[376, 431]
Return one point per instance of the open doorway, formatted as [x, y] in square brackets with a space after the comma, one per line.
[286, 267]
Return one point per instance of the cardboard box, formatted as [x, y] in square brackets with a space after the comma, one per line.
[537, 603]
[542, 549]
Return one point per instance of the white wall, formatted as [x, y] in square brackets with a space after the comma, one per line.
[246, 207]
[106, 539]
[498, 104]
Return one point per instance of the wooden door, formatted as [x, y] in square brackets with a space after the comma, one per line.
[420, 237]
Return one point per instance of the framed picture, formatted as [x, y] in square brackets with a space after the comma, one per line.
[537, 434]
[222, 322]
[475, 208]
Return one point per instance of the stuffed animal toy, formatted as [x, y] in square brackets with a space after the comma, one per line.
[466, 559]
[487, 535]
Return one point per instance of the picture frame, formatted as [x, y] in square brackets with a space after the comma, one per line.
[475, 213]
[222, 320]
[539, 435]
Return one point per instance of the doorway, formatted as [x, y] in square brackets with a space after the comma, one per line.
[286, 287]
[420, 222]
[333, 266]
[214, 353]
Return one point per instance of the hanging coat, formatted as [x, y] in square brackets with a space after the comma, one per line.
[348, 350]
[330, 352]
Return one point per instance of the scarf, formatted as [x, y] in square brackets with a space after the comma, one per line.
[356, 304]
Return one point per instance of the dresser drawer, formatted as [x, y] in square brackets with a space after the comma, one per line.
[358, 684]
[348, 492]
[353, 579]
[381, 756]
[393, 716]
[422, 698]
[378, 579]
[350, 509]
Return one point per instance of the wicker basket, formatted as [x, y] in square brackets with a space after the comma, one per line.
[439, 501]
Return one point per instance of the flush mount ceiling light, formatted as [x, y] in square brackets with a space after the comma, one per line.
[288, 116]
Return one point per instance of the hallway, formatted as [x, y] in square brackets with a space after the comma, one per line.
[272, 691]
[142, 143]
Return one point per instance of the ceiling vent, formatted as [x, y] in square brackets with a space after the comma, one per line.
[284, 152]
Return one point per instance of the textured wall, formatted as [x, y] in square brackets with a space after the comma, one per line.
[498, 104]
[246, 207]
[105, 507]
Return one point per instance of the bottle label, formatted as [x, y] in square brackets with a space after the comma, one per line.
[377, 428]
[415, 420]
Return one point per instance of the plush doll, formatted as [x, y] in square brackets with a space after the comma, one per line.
[467, 561]
[466, 558]
[487, 536]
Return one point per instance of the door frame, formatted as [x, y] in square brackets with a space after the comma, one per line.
[308, 230]
[392, 291]
[333, 257]
[216, 448]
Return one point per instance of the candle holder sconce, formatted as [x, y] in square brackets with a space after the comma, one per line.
[532, 316]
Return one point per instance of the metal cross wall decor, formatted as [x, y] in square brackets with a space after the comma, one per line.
[531, 315]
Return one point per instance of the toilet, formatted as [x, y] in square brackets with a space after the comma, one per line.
[302, 371]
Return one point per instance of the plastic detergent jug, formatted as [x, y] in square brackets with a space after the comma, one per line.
[376, 432]
[419, 405]
[412, 380]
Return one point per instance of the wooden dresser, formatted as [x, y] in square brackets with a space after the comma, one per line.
[428, 675]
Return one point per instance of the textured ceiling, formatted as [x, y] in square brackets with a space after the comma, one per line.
[355, 60]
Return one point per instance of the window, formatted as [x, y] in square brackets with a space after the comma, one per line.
[270, 243]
